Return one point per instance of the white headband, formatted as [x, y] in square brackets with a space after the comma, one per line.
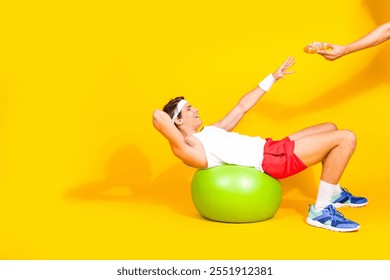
[178, 108]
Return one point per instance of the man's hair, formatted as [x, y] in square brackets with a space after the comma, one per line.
[171, 106]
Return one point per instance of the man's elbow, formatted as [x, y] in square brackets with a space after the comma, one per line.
[161, 120]
[242, 108]
[156, 114]
[157, 117]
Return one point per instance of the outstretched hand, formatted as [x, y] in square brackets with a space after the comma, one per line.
[283, 70]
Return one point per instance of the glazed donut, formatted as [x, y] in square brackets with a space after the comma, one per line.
[316, 46]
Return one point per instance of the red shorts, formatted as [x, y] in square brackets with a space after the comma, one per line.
[279, 159]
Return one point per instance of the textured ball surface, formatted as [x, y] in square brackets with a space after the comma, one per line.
[235, 194]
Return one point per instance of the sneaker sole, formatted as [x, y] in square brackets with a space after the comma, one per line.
[329, 227]
[340, 205]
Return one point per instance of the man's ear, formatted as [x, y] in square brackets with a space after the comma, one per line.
[178, 121]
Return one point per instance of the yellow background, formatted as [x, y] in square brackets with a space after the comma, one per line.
[84, 175]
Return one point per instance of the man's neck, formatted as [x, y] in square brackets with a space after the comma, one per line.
[188, 131]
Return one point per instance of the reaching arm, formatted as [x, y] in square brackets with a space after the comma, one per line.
[375, 37]
[251, 98]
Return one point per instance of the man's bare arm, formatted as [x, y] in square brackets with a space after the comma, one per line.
[249, 100]
[163, 123]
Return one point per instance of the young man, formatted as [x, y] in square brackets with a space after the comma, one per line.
[215, 145]
[375, 37]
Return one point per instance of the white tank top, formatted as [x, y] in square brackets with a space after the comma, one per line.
[223, 147]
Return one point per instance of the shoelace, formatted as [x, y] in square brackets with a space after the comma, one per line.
[335, 214]
[347, 192]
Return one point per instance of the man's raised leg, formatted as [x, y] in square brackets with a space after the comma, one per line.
[333, 148]
[319, 128]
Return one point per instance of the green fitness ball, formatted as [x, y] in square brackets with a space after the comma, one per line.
[235, 194]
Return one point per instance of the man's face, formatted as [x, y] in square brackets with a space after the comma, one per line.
[189, 116]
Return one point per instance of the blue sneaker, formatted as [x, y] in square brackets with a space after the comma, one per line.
[345, 198]
[330, 218]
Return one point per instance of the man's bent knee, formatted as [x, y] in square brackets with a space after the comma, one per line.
[330, 126]
[349, 138]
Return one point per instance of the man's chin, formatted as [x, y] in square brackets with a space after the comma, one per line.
[199, 123]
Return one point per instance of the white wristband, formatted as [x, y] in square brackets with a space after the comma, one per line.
[267, 83]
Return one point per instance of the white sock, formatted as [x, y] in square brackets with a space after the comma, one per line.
[324, 195]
